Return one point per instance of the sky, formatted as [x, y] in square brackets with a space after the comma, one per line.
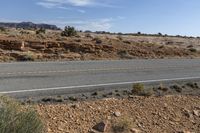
[174, 17]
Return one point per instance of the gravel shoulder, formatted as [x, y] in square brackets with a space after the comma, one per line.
[169, 109]
[165, 114]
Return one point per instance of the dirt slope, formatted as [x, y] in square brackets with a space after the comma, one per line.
[168, 114]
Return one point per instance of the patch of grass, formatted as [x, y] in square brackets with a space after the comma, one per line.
[163, 88]
[28, 56]
[138, 88]
[17, 119]
[71, 98]
[177, 88]
[122, 125]
[192, 85]
[147, 92]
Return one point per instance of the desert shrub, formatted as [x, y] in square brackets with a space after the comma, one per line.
[88, 35]
[69, 31]
[17, 119]
[28, 56]
[147, 92]
[127, 42]
[2, 29]
[138, 88]
[41, 31]
[24, 32]
[71, 98]
[120, 37]
[177, 88]
[193, 50]
[97, 40]
[122, 125]
[192, 85]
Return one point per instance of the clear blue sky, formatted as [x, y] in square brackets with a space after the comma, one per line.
[147, 16]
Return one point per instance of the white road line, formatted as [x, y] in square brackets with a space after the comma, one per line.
[98, 85]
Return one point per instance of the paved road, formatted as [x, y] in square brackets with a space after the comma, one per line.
[35, 79]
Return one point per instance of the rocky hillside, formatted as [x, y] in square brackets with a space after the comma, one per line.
[29, 25]
[27, 45]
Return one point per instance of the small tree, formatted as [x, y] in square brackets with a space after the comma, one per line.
[69, 31]
[159, 34]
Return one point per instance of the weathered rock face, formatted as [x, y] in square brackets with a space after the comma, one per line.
[87, 49]
[12, 45]
[52, 44]
[36, 45]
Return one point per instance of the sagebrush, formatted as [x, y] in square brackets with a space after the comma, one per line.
[15, 118]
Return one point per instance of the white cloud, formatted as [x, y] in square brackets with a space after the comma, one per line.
[59, 6]
[97, 25]
[104, 24]
[48, 4]
[93, 25]
[80, 2]
[74, 3]
[57, 3]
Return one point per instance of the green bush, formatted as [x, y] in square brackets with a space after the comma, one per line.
[69, 31]
[17, 119]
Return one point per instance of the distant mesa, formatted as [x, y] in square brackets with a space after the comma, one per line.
[28, 25]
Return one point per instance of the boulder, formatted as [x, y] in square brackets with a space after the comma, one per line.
[100, 127]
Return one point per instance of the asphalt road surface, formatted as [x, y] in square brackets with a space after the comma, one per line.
[53, 78]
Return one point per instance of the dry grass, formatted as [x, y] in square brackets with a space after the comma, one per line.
[17, 119]
[138, 88]
[121, 125]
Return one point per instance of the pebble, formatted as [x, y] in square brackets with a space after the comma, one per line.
[117, 114]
